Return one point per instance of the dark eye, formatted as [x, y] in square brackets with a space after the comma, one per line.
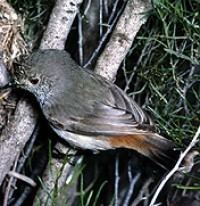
[34, 80]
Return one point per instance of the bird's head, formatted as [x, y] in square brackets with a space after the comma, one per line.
[40, 72]
[44, 73]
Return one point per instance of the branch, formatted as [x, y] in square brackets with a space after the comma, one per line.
[17, 127]
[122, 38]
[60, 23]
[176, 167]
[4, 76]
[15, 135]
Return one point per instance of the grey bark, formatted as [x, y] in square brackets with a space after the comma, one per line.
[15, 135]
[60, 23]
[130, 22]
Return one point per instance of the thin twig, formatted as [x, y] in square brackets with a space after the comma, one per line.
[176, 167]
[100, 18]
[6, 196]
[143, 190]
[80, 38]
[136, 66]
[111, 18]
[23, 178]
[131, 189]
[27, 149]
[105, 4]
[104, 38]
[23, 157]
[23, 196]
[87, 7]
[116, 179]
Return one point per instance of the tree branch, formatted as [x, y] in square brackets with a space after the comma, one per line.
[17, 127]
[131, 20]
[176, 167]
[60, 23]
[16, 134]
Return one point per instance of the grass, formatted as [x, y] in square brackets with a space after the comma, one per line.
[170, 47]
[35, 14]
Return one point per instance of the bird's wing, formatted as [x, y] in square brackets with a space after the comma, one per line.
[120, 115]
[108, 116]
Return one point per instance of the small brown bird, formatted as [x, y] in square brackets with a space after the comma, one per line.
[86, 110]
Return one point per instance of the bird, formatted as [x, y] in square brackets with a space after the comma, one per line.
[86, 110]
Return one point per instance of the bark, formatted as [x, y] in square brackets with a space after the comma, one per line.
[16, 128]
[15, 135]
[60, 23]
[130, 22]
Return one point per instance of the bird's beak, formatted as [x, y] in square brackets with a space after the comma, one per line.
[13, 83]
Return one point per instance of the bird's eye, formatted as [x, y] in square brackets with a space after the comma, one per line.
[34, 80]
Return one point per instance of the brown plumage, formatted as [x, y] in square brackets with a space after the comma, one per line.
[86, 110]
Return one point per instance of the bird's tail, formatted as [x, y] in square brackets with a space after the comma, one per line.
[152, 145]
